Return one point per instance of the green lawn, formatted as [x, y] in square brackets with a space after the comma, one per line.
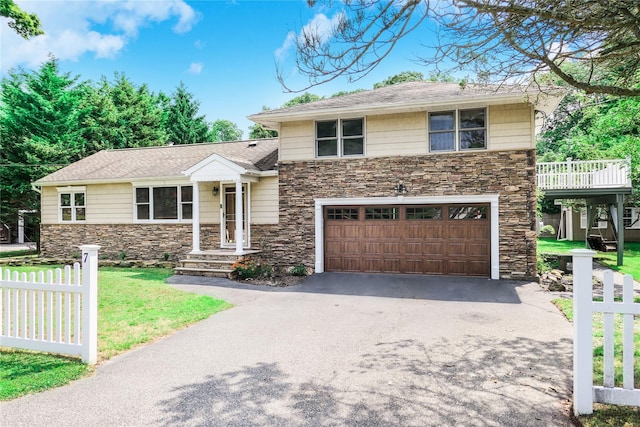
[135, 306]
[605, 415]
[631, 258]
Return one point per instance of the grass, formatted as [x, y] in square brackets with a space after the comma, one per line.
[135, 306]
[631, 259]
[22, 252]
[605, 415]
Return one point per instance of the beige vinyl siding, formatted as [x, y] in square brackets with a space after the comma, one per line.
[49, 205]
[297, 141]
[109, 204]
[264, 201]
[396, 134]
[511, 127]
[209, 204]
[105, 204]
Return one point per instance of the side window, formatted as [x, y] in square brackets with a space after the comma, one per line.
[473, 131]
[442, 135]
[327, 138]
[631, 218]
[352, 137]
[458, 130]
[72, 206]
[340, 138]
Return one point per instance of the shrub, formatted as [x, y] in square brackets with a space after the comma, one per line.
[248, 268]
[547, 229]
[298, 270]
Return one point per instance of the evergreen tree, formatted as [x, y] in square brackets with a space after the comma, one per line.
[41, 129]
[138, 117]
[183, 124]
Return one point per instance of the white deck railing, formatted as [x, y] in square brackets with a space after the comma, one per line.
[584, 174]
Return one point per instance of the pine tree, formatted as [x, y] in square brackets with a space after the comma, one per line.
[183, 124]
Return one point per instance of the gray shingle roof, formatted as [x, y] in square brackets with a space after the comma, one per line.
[164, 161]
[401, 97]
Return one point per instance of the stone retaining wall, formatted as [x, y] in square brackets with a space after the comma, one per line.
[136, 241]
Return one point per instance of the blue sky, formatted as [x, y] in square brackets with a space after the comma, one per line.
[224, 51]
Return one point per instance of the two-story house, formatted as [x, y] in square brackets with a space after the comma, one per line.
[421, 177]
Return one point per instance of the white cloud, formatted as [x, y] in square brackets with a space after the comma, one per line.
[320, 26]
[199, 44]
[195, 68]
[103, 28]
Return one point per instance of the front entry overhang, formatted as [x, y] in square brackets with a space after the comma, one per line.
[217, 168]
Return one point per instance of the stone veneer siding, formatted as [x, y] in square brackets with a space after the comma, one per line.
[511, 174]
[137, 241]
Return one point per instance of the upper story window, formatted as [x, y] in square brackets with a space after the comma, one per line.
[458, 130]
[164, 203]
[72, 204]
[340, 138]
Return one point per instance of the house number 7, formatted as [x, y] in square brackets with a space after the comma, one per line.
[85, 257]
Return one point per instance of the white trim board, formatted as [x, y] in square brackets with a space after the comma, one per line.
[492, 199]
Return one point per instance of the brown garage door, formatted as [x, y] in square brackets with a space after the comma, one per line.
[420, 239]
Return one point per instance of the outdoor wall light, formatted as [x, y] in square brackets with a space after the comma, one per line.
[401, 188]
[215, 191]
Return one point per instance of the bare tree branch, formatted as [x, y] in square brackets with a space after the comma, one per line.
[506, 41]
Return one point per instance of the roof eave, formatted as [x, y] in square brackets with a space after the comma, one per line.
[273, 119]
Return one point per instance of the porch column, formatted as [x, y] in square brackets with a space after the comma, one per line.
[239, 219]
[195, 215]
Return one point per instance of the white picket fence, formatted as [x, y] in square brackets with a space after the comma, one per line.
[56, 312]
[584, 392]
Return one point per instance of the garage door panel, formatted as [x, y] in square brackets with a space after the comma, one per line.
[413, 248]
[434, 248]
[391, 248]
[371, 248]
[480, 232]
[410, 239]
[478, 249]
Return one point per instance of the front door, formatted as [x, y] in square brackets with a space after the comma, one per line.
[228, 223]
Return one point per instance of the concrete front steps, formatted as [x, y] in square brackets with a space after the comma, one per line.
[215, 263]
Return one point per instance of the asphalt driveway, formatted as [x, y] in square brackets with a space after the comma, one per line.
[338, 349]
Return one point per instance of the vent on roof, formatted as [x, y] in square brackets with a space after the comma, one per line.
[253, 144]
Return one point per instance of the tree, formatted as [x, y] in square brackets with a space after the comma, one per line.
[25, 24]
[224, 130]
[499, 40]
[305, 98]
[258, 131]
[125, 115]
[41, 129]
[183, 125]
[405, 76]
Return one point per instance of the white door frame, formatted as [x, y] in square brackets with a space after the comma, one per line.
[224, 242]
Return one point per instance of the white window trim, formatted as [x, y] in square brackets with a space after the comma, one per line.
[602, 225]
[635, 213]
[340, 138]
[73, 190]
[179, 220]
[492, 199]
[457, 130]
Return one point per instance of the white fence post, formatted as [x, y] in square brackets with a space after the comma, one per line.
[90, 303]
[583, 331]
